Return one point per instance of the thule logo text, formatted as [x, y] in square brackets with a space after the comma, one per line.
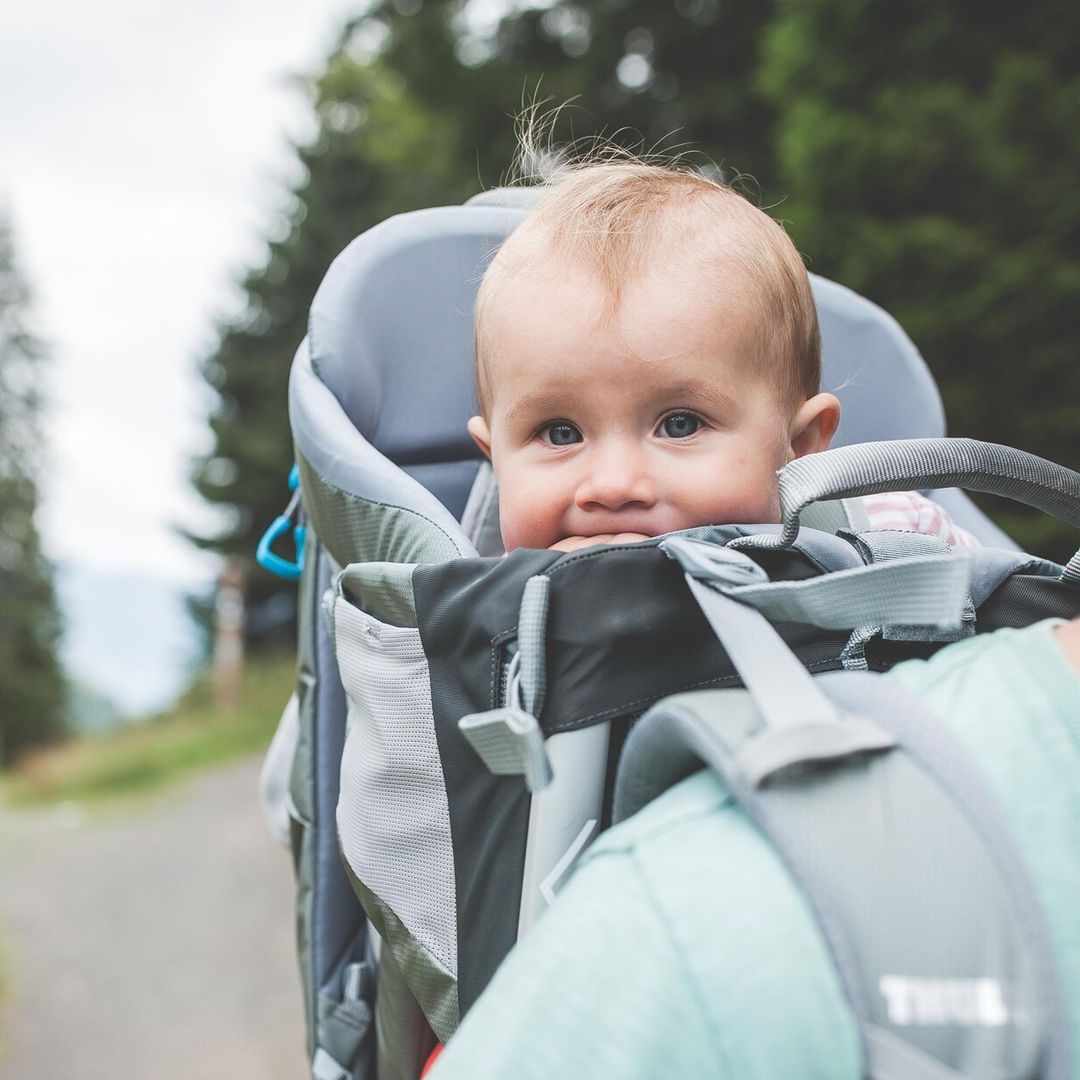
[964, 1002]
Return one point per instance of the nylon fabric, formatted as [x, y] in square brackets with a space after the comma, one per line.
[890, 1058]
[330, 924]
[892, 915]
[1071, 573]
[532, 627]
[480, 519]
[884, 545]
[870, 468]
[1025, 739]
[658, 993]
[343, 458]
[355, 529]
[403, 1037]
[782, 688]
[991, 803]
[431, 989]
[919, 591]
[384, 590]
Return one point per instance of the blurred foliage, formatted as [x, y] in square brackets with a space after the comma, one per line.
[31, 683]
[145, 755]
[931, 152]
[921, 153]
[414, 108]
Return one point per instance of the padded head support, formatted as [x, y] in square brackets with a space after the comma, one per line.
[390, 335]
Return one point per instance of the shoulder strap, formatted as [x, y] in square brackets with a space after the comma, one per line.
[889, 833]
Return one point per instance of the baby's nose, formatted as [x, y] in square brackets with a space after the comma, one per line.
[616, 483]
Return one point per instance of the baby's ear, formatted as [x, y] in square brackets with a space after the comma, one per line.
[814, 424]
[481, 433]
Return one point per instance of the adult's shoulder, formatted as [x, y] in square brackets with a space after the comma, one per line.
[679, 947]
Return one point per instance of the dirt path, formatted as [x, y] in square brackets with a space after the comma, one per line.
[156, 944]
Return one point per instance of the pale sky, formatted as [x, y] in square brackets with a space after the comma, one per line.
[143, 152]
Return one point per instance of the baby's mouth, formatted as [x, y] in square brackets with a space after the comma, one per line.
[638, 525]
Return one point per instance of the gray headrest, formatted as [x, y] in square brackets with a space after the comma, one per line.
[391, 336]
[390, 331]
[875, 370]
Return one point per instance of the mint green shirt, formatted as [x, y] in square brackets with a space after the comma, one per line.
[681, 948]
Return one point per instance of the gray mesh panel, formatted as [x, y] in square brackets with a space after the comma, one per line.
[392, 816]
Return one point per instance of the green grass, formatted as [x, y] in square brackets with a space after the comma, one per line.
[143, 757]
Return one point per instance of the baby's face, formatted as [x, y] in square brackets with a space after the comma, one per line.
[648, 420]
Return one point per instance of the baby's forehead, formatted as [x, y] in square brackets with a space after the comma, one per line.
[539, 275]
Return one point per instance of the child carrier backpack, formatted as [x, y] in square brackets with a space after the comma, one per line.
[460, 715]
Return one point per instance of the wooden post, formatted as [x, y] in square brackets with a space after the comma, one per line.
[229, 635]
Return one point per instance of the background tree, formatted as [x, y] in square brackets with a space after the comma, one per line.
[923, 154]
[353, 179]
[931, 152]
[415, 108]
[31, 684]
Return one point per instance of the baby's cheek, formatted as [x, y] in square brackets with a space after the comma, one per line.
[529, 524]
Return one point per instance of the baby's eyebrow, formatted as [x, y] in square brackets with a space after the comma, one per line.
[535, 403]
[710, 391]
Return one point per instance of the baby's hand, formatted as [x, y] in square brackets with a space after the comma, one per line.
[573, 543]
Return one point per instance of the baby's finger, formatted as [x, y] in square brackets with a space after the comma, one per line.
[575, 543]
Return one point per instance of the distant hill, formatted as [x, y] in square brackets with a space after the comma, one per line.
[129, 646]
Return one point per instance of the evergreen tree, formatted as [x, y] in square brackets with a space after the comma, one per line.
[415, 108]
[350, 183]
[931, 152]
[31, 684]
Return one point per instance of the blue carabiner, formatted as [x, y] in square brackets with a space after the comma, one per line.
[282, 524]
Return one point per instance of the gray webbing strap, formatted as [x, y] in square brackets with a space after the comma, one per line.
[510, 743]
[801, 723]
[869, 468]
[783, 689]
[928, 590]
[884, 545]
[509, 739]
[532, 626]
[891, 1058]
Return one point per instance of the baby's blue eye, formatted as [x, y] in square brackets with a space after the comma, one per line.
[561, 434]
[680, 425]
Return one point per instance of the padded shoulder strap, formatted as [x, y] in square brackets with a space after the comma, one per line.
[890, 834]
[925, 908]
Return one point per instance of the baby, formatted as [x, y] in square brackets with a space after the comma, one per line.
[647, 357]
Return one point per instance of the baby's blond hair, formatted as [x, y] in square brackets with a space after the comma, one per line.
[613, 216]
